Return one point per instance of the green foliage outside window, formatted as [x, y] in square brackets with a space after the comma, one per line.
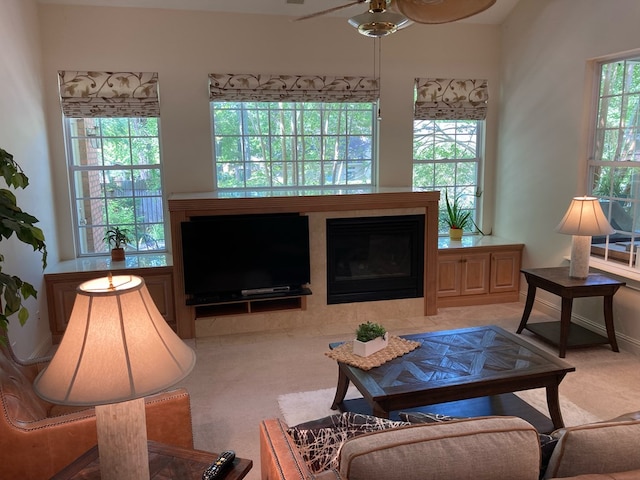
[614, 161]
[116, 181]
[292, 144]
[446, 158]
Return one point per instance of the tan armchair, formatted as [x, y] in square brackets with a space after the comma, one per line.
[37, 439]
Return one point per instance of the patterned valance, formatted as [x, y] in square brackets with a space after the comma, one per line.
[109, 94]
[291, 88]
[451, 99]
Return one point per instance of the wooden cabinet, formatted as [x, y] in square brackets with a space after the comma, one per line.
[481, 272]
[63, 279]
[463, 274]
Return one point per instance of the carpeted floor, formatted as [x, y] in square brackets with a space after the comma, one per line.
[238, 378]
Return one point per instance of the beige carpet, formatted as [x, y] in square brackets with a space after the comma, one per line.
[304, 406]
[238, 378]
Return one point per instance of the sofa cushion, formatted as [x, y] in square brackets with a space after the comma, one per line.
[604, 447]
[480, 448]
[319, 441]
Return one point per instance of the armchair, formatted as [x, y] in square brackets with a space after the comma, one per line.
[37, 439]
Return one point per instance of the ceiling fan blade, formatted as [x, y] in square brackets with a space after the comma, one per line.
[330, 10]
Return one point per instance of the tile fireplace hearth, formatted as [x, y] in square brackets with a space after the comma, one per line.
[318, 207]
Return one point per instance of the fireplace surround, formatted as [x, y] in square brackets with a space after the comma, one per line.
[311, 309]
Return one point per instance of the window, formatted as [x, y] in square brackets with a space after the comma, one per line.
[447, 131]
[446, 158]
[614, 158]
[113, 154]
[269, 144]
[291, 132]
[115, 177]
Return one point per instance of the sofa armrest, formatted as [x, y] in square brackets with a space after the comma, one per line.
[41, 448]
[279, 455]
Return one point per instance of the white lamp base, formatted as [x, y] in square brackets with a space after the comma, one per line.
[580, 253]
[122, 440]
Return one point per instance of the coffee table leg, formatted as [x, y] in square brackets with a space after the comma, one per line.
[341, 389]
[378, 411]
[553, 403]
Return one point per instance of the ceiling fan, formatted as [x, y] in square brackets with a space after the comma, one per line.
[387, 16]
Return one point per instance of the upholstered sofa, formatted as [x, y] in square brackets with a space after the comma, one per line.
[506, 448]
[37, 439]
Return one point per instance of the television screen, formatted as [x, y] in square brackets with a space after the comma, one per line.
[229, 254]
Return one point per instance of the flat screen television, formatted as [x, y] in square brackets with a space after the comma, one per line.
[228, 256]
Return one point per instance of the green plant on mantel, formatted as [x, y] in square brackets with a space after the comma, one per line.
[13, 290]
[369, 331]
[117, 237]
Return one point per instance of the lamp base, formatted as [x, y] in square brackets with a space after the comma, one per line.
[580, 253]
[122, 440]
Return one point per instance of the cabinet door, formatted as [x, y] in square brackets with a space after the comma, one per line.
[61, 295]
[475, 274]
[505, 271]
[449, 271]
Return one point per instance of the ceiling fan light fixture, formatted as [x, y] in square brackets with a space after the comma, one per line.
[378, 24]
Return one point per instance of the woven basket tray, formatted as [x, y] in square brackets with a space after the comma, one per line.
[396, 348]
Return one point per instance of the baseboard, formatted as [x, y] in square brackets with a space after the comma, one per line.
[625, 342]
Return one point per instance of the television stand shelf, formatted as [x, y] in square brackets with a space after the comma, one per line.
[269, 302]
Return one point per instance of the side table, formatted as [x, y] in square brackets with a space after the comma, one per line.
[565, 334]
[165, 461]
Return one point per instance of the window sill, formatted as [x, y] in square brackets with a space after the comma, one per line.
[625, 273]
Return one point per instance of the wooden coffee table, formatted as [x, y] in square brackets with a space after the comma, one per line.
[456, 365]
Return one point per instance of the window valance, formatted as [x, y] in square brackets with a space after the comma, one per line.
[109, 94]
[451, 99]
[291, 88]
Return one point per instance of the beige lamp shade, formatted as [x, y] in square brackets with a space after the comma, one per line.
[585, 217]
[117, 347]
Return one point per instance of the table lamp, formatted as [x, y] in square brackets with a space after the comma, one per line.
[583, 219]
[117, 349]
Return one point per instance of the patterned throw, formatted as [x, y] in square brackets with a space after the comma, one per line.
[396, 348]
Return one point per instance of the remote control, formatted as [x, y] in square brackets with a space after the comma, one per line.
[216, 470]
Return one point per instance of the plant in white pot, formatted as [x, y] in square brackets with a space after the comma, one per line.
[370, 338]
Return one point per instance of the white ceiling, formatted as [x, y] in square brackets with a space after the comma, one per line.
[494, 15]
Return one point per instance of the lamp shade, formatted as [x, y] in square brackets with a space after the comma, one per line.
[585, 218]
[117, 347]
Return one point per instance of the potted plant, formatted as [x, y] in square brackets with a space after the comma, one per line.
[13, 220]
[117, 238]
[370, 338]
[457, 218]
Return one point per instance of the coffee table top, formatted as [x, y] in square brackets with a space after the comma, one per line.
[489, 357]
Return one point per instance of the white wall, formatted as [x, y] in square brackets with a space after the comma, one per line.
[542, 137]
[23, 134]
[184, 46]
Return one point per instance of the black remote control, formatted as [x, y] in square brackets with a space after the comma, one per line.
[217, 469]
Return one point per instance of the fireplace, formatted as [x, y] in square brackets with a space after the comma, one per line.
[375, 258]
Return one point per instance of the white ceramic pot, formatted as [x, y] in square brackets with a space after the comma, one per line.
[364, 349]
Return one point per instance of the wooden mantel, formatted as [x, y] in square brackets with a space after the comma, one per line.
[183, 206]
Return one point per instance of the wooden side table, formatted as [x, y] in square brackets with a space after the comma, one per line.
[165, 462]
[565, 334]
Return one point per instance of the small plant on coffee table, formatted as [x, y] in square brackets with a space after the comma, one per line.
[370, 338]
[368, 331]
